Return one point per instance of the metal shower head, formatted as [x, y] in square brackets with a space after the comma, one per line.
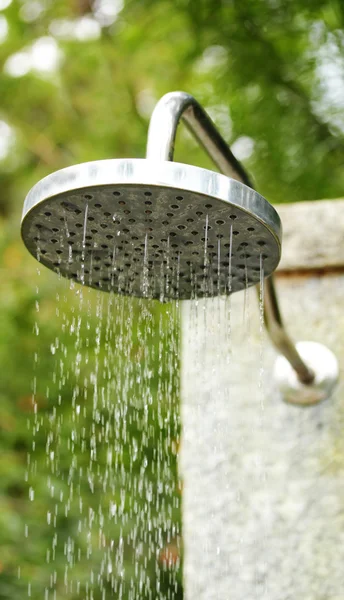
[160, 229]
[151, 228]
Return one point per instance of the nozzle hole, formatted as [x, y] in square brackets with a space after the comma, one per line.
[71, 207]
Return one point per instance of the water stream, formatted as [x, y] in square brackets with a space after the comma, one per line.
[102, 472]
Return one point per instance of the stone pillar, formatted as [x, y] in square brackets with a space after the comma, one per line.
[263, 502]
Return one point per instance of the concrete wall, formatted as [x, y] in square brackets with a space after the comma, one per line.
[263, 503]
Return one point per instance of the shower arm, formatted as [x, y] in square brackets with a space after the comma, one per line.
[166, 116]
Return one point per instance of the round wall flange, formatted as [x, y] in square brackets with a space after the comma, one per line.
[324, 365]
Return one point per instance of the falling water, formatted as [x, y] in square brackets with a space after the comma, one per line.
[217, 491]
[106, 441]
[104, 478]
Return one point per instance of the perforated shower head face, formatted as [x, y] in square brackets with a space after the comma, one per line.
[163, 230]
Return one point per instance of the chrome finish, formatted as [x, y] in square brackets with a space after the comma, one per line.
[161, 137]
[163, 128]
[151, 228]
[321, 361]
[278, 334]
[162, 229]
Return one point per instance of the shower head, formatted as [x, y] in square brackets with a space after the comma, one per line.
[155, 228]
[151, 228]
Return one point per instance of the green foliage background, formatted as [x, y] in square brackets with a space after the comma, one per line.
[270, 73]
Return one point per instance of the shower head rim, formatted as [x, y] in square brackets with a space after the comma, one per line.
[111, 172]
[131, 180]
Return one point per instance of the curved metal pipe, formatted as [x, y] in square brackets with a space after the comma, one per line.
[166, 116]
[279, 336]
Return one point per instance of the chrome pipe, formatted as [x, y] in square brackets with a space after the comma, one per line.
[279, 336]
[166, 116]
